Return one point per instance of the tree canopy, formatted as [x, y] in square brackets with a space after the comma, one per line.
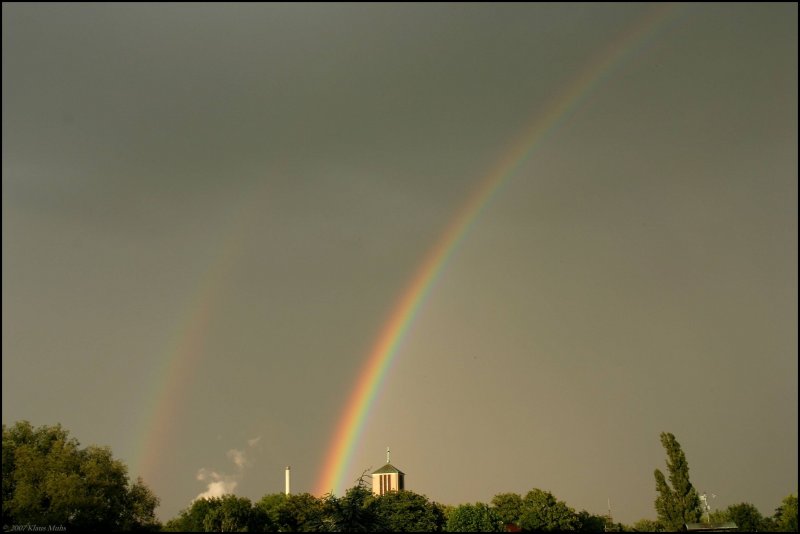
[406, 511]
[542, 512]
[478, 517]
[508, 506]
[786, 515]
[745, 515]
[301, 512]
[48, 479]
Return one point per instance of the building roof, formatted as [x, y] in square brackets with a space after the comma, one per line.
[710, 527]
[388, 468]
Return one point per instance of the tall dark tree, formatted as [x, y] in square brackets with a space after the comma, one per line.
[49, 480]
[678, 502]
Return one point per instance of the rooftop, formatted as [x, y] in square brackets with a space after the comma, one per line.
[388, 468]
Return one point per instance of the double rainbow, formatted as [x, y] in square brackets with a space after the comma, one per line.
[185, 350]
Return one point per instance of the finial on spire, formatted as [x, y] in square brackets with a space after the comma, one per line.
[387, 455]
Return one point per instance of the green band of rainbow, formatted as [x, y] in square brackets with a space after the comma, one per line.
[351, 424]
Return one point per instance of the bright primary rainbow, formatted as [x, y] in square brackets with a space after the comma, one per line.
[351, 424]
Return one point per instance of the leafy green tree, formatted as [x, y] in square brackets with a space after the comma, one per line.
[745, 515]
[191, 519]
[139, 514]
[301, 512]
[718, 516]
[228, 513]
[508, 506]
[769, 525]
[270, 506]
[680, 503]
[355, 511]
[49, 480]
[542, 512]
[447, 509]
[785, 518]
[595, 523]
[406, 511]
[478, 517]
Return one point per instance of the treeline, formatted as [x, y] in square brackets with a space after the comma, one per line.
[49, 481]
[358, 510]
[405, 511]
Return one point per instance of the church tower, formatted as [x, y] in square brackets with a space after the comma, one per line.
[387, 478]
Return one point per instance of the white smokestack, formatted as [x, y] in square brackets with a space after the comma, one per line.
[288, 471]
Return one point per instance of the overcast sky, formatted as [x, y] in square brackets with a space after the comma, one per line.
[260, 182]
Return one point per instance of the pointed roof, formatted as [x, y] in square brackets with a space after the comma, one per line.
[388, 468]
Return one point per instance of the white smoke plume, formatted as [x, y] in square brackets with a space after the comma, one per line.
[219, 484]
[238, 458]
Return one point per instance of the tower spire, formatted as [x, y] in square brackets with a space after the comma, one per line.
[387, 455]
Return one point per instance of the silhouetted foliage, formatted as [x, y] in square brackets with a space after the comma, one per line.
[594, 523]
[355, 511]
[191, 519]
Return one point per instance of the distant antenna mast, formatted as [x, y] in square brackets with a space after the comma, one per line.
[387, 455]
[706, 507]
[610, 520]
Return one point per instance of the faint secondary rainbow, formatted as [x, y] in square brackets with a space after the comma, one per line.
[167, 391]
[351, 424]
